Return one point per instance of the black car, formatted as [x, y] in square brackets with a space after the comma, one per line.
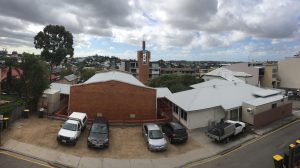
[175, 132]
[99, 134]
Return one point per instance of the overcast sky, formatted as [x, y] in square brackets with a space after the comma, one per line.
[231, 30]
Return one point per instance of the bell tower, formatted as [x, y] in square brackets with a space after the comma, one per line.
[143, 57]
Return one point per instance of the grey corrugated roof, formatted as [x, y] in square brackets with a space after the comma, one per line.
[63, 88]
[228, 74]
[266, 92]
[116, 76]
[214, 93]
[162, 92]
[264, 100]
[71, 77]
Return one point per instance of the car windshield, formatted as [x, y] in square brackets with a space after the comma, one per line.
[155, 134]
[99, 128]
[69, 126]
[180, 131]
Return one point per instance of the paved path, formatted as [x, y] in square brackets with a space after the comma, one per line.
[257, 154]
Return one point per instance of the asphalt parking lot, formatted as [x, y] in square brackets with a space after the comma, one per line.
[125, 141]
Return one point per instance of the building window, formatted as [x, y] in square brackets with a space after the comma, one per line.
[175, 109]
[183, 115]
[274, 105]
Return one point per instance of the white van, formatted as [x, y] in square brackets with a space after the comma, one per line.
[71, 129]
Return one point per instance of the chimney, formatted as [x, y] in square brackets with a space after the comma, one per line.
[144, 45]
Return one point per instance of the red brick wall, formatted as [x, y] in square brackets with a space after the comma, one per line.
[143, 68]
[271, 115]
[164, 109]
[115, 100]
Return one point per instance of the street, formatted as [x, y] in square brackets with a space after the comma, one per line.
[257, 154]
[15, 161]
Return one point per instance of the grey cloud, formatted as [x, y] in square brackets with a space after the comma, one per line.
[191, 14]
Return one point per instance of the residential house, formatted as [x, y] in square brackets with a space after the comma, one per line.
[211, 101]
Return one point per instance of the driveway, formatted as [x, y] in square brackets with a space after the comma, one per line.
[126, 142]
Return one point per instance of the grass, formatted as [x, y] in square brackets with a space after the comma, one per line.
[7, 108]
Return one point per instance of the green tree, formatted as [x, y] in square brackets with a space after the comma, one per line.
[34, 79]
[56, 43]
[87, 73]
[10, 64]
[175, 83]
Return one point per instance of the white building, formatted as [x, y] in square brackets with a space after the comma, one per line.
[288, 73]
[213, 100]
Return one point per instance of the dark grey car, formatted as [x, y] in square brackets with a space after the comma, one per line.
[99, 134]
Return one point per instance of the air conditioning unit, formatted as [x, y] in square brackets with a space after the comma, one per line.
[249, 110]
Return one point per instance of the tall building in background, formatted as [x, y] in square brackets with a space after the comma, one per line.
[143, 57]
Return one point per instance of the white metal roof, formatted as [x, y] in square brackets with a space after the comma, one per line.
[266, 92]
[264, 100]
[116, 76]
[213, 93]
[228, 74]
[162, 92]
[70, 77]
[63, 88]
[51, 91]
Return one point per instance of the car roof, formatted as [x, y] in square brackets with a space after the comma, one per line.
[152, 126]
[77, 115]
[176, 125]
[72, 121]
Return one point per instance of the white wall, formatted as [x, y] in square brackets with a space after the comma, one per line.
[201, 118]
[288, 73]
[248, 117]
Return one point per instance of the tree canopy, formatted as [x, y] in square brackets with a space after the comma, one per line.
[175, 83]
[56, 43]
[34, 79]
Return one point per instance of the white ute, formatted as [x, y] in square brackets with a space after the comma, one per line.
[239, 126]
[71, 129]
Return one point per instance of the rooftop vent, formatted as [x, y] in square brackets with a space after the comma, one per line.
[214, 86]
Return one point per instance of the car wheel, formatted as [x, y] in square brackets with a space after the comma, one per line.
[171, 140]
[75, 141]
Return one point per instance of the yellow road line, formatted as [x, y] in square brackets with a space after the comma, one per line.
[27, 160]
[200, 162]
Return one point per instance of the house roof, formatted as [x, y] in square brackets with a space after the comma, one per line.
[266, 92]
[162, 92]
[16, 73]
[63, 88]
[71, 77]
[213, 93]
[264, 100]
[228, 74]
[50, 91]
[116, 76]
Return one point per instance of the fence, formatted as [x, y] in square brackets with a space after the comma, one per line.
[16, 113]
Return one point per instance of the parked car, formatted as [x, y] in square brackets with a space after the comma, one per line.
[290, 93]
[175, 132]
[224, 130]
[154, 137]
[72, 128]
[80, 117]
[99, 134]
